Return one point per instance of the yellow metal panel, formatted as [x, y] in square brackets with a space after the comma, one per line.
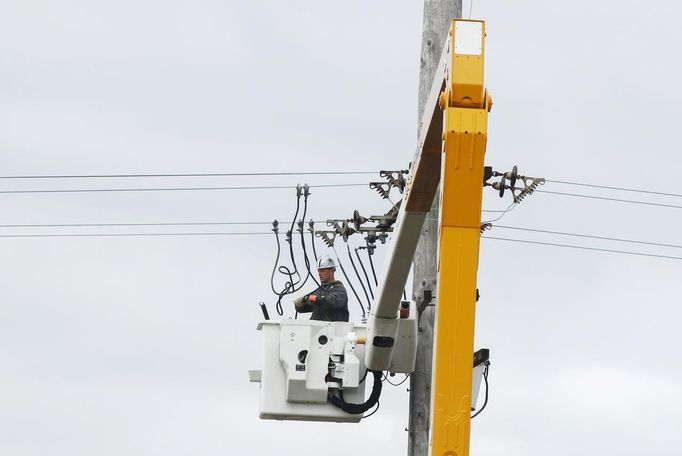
[466, 134]
[454, 341]
[466, 83]
[464, 142]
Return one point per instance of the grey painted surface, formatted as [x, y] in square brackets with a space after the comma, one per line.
[437, 17]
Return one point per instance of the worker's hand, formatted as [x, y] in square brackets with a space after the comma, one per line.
[300, 302]
[312, 299]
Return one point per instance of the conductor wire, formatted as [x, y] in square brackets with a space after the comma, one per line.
[364, 271]
[350, 284]
[362, 284]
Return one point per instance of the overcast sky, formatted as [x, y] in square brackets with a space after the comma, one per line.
[140, 345]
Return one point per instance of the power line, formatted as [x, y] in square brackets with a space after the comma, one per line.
[131, 234]
[609, 199]
[588, 236]
[89, 176]
[73, 225]
[581, 247]
[100, 225]
[97, 190]
[249, 233]
[613, 188]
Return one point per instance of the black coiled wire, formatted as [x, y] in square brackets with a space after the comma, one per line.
[294, 281]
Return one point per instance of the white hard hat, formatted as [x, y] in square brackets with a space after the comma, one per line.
[325, 261]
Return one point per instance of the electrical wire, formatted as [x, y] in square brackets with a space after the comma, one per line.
[357, 274]
[297, 173]
[588, 236]
[129, 234]
[350, 284]
[306, 260]
[165, 189]
[397, 384]
[509, 208]
[290, 286]
[364, 271]
[371, 263]
[88, 176]
[278, 305]
[582, 247]
[290, 239]
[312, 241]
[74, 225]
[650, 192]
[608, 199]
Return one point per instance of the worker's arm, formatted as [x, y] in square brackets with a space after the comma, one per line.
[305, 303]
[333, 298]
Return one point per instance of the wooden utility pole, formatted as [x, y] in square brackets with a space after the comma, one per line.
[438, 15]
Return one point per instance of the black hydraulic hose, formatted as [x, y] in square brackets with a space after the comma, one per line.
[364, 271]
[356, 409]
[357, 274]
[349, 283]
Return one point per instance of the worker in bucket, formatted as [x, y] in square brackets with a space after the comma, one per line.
[329, 302]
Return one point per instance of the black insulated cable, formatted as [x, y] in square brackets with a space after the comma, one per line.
[364, 271]
[371, 263]
[278, 305]
[291, 234]
[311, 228]
[306, 260]
[350, 284]
[357, 274]
[275, 230]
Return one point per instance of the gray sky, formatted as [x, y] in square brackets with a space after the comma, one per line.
[140, 345]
